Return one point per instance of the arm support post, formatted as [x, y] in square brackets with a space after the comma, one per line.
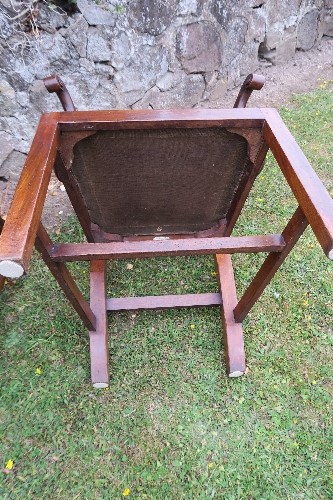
[251, 82]
[55, 84]
[308, 189]
[19, 232]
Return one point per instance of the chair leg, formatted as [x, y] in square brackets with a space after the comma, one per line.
[293, 231]
[99, 354]
[64, 279]
[232, 331]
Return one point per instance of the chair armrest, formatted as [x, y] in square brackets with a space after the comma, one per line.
[55, 84]
[20, 228]
[313, 198]
[251, 82]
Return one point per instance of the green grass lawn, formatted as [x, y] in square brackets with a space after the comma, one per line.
[172, 425]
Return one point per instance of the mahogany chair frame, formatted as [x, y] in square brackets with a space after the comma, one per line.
[55, 85]
[23, 229]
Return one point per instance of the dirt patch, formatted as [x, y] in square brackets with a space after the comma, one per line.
[303, 73]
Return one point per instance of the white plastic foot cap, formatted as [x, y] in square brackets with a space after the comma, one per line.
[330, 254]
[11, 269]
[100, 385]
[236, 374]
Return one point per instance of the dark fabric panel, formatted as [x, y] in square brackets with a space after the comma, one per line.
[159, 181]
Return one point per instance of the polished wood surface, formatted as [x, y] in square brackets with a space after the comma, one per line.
[154, 118]
[54, 146]
[19, 232]
[293, 231]
[251, 83]
[65, 280]
[99, 353]
[309, 191]
[65, 175]
[55, 84]
[164, 247]
[163, 301]
[232, 330]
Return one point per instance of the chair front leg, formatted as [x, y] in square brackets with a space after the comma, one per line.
[232, 330]
[99, 354]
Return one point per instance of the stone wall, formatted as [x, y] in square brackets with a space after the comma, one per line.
[139, 54]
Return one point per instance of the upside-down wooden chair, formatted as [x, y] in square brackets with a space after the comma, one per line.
[150, 183]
